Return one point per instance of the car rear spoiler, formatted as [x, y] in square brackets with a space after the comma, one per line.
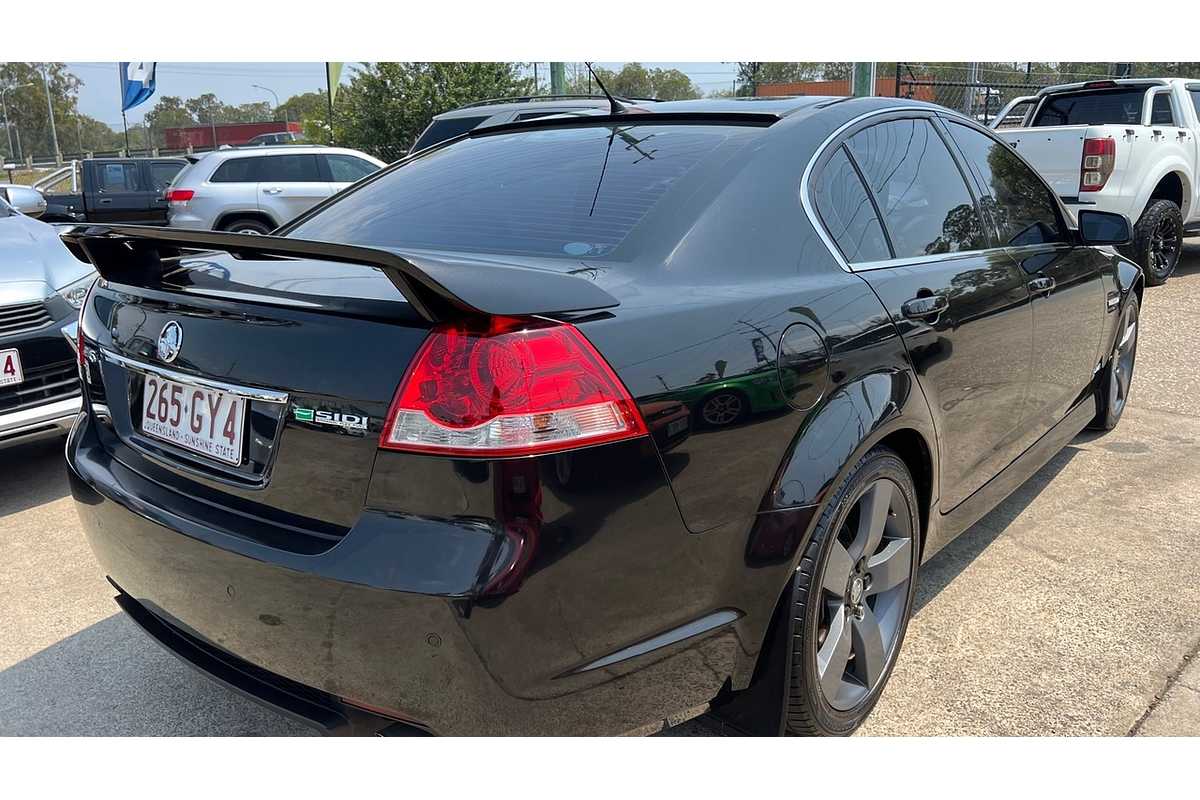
[436, 289]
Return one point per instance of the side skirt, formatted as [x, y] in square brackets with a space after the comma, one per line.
[944, 527]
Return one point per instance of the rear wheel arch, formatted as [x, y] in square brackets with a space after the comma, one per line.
[230, 217]
[1172, 186]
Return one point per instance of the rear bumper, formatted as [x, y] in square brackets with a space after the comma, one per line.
[355, 628]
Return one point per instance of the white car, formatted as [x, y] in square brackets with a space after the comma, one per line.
[255, 190]
[42, 287]
[1127, 146]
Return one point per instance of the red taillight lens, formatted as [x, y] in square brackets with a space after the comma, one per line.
[180, 195]
[511, 387]
[1099, 156]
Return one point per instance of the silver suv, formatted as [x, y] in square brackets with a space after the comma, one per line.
[255, 190]
[487, 113]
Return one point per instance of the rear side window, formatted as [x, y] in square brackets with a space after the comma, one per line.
[1161, 111]
[348, 169]
[1101, 107]
[1019, 202]
[847, 211]
[926, 206]
[1195, 95]
[442, 129]
[120, 177]
[289, 169]
[237, 170]
[565, 192]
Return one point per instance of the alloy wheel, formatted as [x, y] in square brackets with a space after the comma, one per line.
[1164, 246]
[1121, 363]
[722, 409]
[864, 586]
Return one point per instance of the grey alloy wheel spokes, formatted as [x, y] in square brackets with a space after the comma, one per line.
[1121, 364]
[864, 592]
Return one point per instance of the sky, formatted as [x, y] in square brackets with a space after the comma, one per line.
[233, 81]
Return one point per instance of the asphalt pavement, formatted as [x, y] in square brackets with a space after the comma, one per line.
[1073, 608]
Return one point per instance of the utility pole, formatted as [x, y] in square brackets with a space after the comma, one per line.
[969, 95]
[273, 94]
[50, 110]
[558, 77]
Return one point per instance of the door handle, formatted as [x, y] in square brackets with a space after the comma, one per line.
[106, 201]
[928, 306]
[273, 190]
[1041, 285]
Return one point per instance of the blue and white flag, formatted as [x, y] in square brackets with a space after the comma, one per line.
[137, 82]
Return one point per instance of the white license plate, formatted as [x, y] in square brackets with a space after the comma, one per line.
[10, 368]
[195, 418]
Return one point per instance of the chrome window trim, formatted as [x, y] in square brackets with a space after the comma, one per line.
[810, 209]
[249, 392]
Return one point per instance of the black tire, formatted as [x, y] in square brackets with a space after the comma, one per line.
[1157, 241]
[1112, 385]
[723, 408]
[810, 710]
[247, 225]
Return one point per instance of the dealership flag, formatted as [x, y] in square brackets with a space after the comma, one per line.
[333, 76]
[137, 83]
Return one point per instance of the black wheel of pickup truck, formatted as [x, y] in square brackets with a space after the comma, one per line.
[1157, 241]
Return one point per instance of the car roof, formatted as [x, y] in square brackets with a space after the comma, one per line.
[487, 109]
[778, 106]
[1100, 83]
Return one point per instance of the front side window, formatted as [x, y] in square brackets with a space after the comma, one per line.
[1018, 201]
[1161, 111]
[348, 169]
[1195, 95]
[847, 211]
[162, 173]
[925, 204]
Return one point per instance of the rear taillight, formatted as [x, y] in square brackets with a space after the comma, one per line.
[1099, 156]
[180, 195]
[509, 387]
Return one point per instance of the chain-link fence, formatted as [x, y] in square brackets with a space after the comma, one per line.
[981, 91]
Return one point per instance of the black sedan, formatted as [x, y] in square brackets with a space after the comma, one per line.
[423, 462]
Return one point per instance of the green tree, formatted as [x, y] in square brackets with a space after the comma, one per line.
[635, 80]
[303, 107]
[26, 104]
[387, 104]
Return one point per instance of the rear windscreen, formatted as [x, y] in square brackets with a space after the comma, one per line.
[1099, 107]
[565, 192]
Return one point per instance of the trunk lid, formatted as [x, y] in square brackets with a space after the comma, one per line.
[302, 479]
[1057, 152]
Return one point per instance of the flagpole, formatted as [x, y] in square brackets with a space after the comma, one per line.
[124, 123]
[329, 97]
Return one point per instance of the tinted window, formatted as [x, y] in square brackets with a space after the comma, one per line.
[288, 169]
[347, 169]
[442, 129]
[1023, 208]
[162, 173]
[567, 192]
[921, 194]
[1160, 110]
[121, 176]
[847, 212]
[237, 170]
[1103, 107]
[1195, 94]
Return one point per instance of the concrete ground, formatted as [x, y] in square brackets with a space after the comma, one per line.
[1073, 608]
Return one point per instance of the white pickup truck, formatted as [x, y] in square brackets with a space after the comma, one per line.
[1127, 146]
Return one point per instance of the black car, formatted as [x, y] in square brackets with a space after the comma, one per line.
[116, 190]
[414, 464]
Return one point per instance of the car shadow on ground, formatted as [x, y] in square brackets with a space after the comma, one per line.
[109, 679]
[34, 474]
[951, 560]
